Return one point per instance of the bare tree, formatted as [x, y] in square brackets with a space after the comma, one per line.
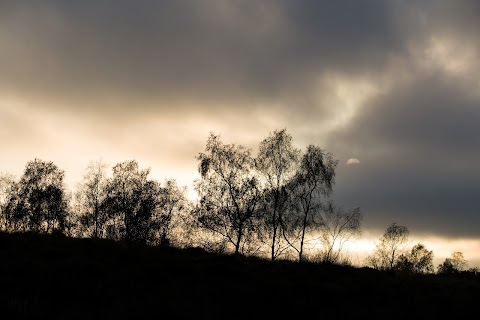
[229, 192]
[168, 216]
[130, 202]
[40, 203]
[311, 184]
[337, 227]
[455, 264]
[419, 260]
[91, 195]
[7, 190]
[389, 248]
[277, 162]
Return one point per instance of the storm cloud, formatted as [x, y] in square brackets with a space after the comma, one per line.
[391, 83]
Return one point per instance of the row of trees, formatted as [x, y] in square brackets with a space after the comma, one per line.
[391, 254]
[275, 204]
[126, 206]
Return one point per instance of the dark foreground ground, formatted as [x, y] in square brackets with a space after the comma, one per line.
[53, 277]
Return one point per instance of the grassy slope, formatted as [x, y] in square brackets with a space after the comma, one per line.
[57, 277]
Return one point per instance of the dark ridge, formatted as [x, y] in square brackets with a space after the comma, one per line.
[56, 277]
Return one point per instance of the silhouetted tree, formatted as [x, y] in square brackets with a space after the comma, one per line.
[337, 226]
[172, 201]
[7, 191]
[277, 161]
[229, 192]
[91, 195]
[419, 260]
[455, 264]
[312, 182]
[474, 271]
[130, 202]
[389, 248]
[40, 204]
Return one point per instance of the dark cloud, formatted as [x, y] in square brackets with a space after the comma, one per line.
[432, 113]
[188, 51]
[420, 149]
[455, 18]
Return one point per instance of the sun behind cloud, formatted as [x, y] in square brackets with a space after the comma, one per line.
[353, 161]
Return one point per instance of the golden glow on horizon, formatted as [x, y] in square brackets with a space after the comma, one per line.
[360, 245]
[442, 248]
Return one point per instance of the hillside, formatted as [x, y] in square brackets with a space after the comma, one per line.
[48, 276]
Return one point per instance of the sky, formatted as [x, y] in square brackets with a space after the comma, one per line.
[391, 84]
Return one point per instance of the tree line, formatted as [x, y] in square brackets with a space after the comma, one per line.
[275, 205]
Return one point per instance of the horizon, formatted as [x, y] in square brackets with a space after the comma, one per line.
[356, 249]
